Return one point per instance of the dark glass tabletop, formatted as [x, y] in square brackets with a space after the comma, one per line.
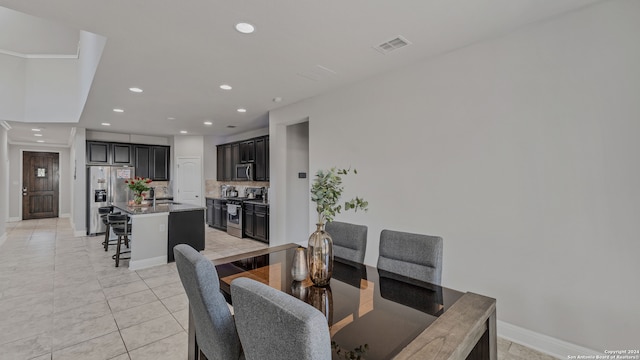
[370, 312]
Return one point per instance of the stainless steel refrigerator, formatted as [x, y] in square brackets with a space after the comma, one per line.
[105, 185]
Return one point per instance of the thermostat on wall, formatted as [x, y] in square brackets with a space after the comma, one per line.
[302, 175]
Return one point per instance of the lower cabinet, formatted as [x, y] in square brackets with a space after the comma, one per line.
[210, 212]
[256, 221]
[248, 220]
[185, 227]
[217, 213]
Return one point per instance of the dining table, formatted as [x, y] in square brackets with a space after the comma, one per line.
[373, 314]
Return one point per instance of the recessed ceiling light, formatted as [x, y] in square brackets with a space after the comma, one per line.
[183, 131]
[277, 99]
[106, 124]
[242, 110]
[245, 28]
[231, 126]
[36, 130]
[40, 141]
[37, 134]
[118, 110]
[171, 118]
[208, 123]
[225, 87]
[135, 89]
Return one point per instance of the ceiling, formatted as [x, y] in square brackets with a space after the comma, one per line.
[180, 52]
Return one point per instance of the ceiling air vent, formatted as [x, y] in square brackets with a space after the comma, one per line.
[391, 45]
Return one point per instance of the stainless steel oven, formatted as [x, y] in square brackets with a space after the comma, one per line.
[234, 218]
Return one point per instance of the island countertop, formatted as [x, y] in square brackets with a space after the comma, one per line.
[159, 208]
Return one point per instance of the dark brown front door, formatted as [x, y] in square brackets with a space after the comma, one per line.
[40, 174]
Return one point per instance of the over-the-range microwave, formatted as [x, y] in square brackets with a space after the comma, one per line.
[244, 172]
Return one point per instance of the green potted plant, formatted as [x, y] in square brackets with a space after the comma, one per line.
[326, 191]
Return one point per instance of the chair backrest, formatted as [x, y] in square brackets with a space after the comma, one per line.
[411, 255]
[273, 325]
[349, 240]
[215, 327]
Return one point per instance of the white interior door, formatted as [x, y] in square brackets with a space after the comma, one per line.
[189, 185]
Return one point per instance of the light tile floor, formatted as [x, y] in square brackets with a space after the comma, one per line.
[61, 297]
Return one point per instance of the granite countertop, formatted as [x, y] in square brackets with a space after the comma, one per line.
[245, 200]
[256, 202]
[159, 208]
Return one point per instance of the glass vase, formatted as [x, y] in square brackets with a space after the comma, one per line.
[299, 269]
[320, 256]
[137, 199]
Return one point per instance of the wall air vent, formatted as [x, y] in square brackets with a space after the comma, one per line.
[391, 45]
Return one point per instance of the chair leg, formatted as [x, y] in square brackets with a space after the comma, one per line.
[106, 238]
[118, 251]
[126, 240]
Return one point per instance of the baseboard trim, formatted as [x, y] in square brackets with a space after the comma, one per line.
[147, 263]
[543, 343]
[64, 215]
[14, 219]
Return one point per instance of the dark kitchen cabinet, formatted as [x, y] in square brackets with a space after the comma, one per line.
[185, 227]
[229, 167]
[97, 153]
[142, 156]
[266, 161]
[152, 162]
[247, 152]
[210, 212]
[220, 163]
[160, 169]
[261, 223]
[256, 221]
[121, 154]
[261, 171]
[248, 220]
[235, 159]
[217, 213]
[254, 151]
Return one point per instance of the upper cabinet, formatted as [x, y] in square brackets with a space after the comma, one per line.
[261, 159]
[122, 154]
[247, 152]
[106, 153]
[255, 151]
[150, 161]
[98, 153]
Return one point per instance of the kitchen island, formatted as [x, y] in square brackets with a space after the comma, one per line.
[157, 229]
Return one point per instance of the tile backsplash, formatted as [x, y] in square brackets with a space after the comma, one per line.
[212, 187]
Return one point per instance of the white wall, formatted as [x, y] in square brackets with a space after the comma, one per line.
[49, 89]
[12, 87]
[298, 189]
[4, 181]
[52, 88]
[15, 176]
[522, 152]
[78, 176]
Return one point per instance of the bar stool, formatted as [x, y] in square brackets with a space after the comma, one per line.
[122, 228]
[104, 211]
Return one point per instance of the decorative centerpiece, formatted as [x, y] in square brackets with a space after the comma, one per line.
[326, 192]
[139, 186]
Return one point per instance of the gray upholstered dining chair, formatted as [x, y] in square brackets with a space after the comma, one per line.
[273, 325]
[412, 255]
[349, 240]
[215, 327]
